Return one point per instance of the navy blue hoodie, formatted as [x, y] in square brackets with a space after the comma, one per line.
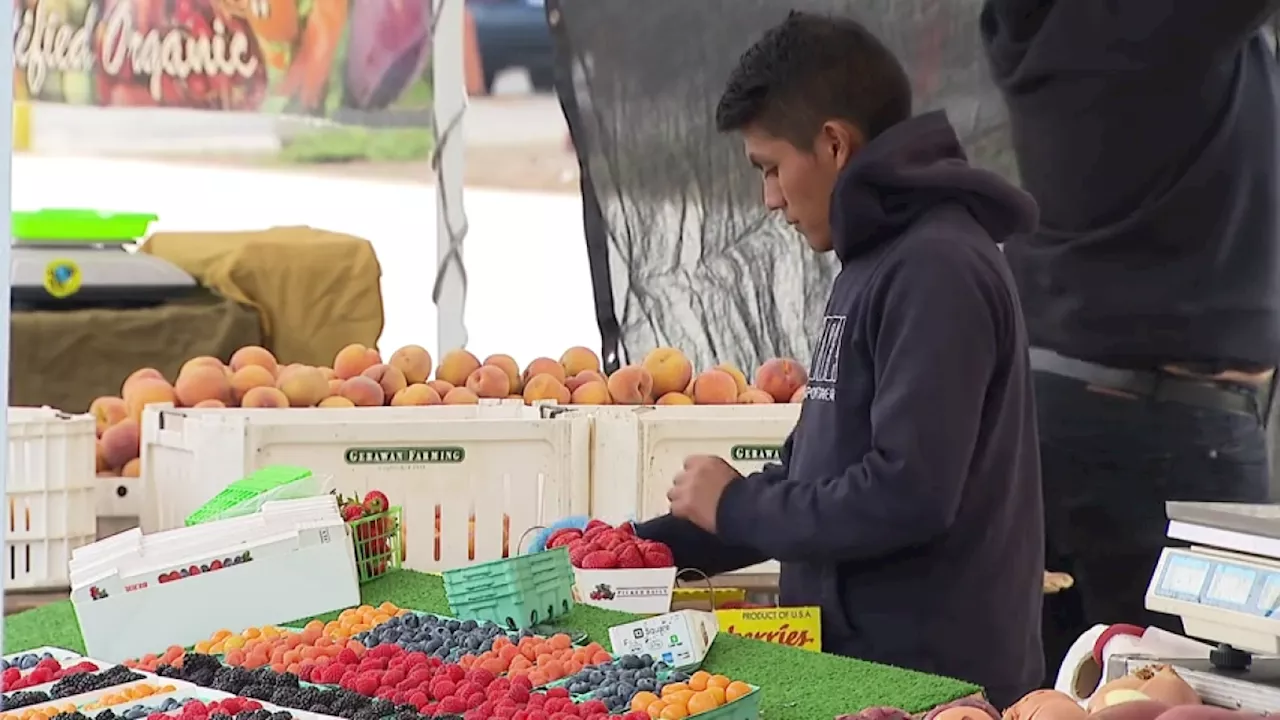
[907, 503]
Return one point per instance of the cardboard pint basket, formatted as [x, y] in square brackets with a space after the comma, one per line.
[641, 591]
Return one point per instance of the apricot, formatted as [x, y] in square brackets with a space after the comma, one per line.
[573, 382]
[456, 366]
[107, 411]
[197, 383]
[714, 387]
[577, 359]
[133, 468]
[754, 396]
[100, 460]
[781, 377]
[545, 386]
[508, 366]
[264, 397]
[416, 394]
[414, 362]
[669, 368]
[141, 374]
[595, 392]
[248, 378]
[304, 386]
[353, 360]
[798, 397]
[461, 396]
[441, 387]
[489, 381]
[120, 443]
[201, 361]
[336, 401]
[547, 366]
[631, 385]
[144, 392]
[211, 403]
[254, 356]
[675, 398]
[739, 377]
[362, 391]
[388, 377]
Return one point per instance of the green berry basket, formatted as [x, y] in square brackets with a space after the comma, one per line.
[517, 592]
[246, 495]
[379, 541]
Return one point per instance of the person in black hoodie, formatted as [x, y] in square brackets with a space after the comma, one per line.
[907, 501]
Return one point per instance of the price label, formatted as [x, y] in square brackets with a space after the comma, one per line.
[1232, 585]
[1184, 575]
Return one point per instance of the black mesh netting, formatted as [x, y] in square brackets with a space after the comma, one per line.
[682, 250]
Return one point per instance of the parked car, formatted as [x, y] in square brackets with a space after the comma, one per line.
[514, 34]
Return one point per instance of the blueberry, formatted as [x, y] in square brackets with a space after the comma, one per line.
[647, 684]
[453, 625]
[469, 625]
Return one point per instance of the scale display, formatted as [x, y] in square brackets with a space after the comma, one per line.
[1220, 583]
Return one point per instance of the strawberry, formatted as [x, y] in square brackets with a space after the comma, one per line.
[563, 536]
[629, 556]
[579, 553]
[375, 502]
[351, 513]
[627, 528]
[597, 524]
[599, 560]
[611, 539]
[595, 532]
[658, 557]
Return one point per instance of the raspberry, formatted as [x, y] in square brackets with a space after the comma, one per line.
[536, 700]
[629, 556]
[455, 672]
[485, 709]
[388, 693]
[306, 672]
[451, 705]
[557, 692]
[442, 688]
[49, 664]
[415, 659]
[517, 694]
[393, 677]
[599, 560]
[366, 684]
[475, 700]
[332, 674]
[417, 698]
[347, 657]
[523, 682]
[537, 714]
[593, 707]
[467, 688]
[480, 676]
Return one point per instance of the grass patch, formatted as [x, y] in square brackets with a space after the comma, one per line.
[356, 144]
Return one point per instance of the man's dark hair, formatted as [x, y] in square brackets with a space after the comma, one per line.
[811, 69]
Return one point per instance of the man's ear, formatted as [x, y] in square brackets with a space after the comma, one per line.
[840, 141]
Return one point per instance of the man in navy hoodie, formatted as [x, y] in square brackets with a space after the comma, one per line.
[907, 503]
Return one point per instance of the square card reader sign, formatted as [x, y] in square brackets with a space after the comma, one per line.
[679, 639]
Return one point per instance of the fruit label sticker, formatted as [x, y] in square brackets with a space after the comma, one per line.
[755, 453]
[62, 278]
[799, 627]
[679, 639]
[404, 455]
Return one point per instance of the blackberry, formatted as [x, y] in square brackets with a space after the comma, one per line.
[169, 671]
[280, 715]
[23, 698]
[368, 714]
[106, 715]
[284, 696]
[382, 707]
[196, 661]
[258, 691]
[319, 709]
[220, 716]
[70, 716]
[309, 696]
[286, 680]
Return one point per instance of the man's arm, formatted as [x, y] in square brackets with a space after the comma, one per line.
[696, 548]
[934, 351]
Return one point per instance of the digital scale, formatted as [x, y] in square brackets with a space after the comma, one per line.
[74, 259]
[1226, 589]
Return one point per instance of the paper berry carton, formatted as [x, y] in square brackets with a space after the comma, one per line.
[641, 591]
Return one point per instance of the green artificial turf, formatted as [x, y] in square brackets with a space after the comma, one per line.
[797, 684]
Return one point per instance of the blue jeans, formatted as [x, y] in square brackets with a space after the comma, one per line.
[1108, 465]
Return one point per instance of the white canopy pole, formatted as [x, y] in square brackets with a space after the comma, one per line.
[449, 104]
[6, 254]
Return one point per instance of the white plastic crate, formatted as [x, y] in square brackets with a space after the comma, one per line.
[441, 464]
[119, 497]
[49, 495]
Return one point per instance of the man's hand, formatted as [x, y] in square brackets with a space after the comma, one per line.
[695, 496]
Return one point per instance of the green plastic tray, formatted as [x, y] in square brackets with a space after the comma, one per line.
[88, 226]
[517, 592]
[246, 489]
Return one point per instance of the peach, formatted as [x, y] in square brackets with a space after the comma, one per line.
[670, 370]
[595, 392]
[304, 386]
[508, 365]
[547, 366]
[336, 401]
[675, 398]
[248, 378]
[353, 360]
[142, 374]
[754, 396]
[133, 468]
[714, 387]
[456, 366]
[210, 404]
[198, 383]
[202, 361]
[545, 386]
[573, 382]
[100, 460]
[781, 377]
[264, 397]
[739, 377]
[388, 377]
[798, 397]
[145, 392]
[363, 391]
[441, 387]
[631, 385]
[107, 411]
[120, 443]
[328, 373]
[416, 394]
[461, 396]
[414, 361]
[577, 359]
[255, 356]
[335, 386]
[489, 381]
[516, 397]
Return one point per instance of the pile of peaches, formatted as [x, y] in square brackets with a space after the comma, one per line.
[359, 377]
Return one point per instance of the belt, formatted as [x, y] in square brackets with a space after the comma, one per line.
[1156, 385]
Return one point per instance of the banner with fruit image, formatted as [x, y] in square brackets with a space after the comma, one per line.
[312, 57]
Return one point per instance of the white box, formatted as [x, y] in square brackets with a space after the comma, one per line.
[119, 497]
[641, 591]
[49, 495]
[488, 461]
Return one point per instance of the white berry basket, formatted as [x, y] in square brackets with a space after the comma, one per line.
[641, 591]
